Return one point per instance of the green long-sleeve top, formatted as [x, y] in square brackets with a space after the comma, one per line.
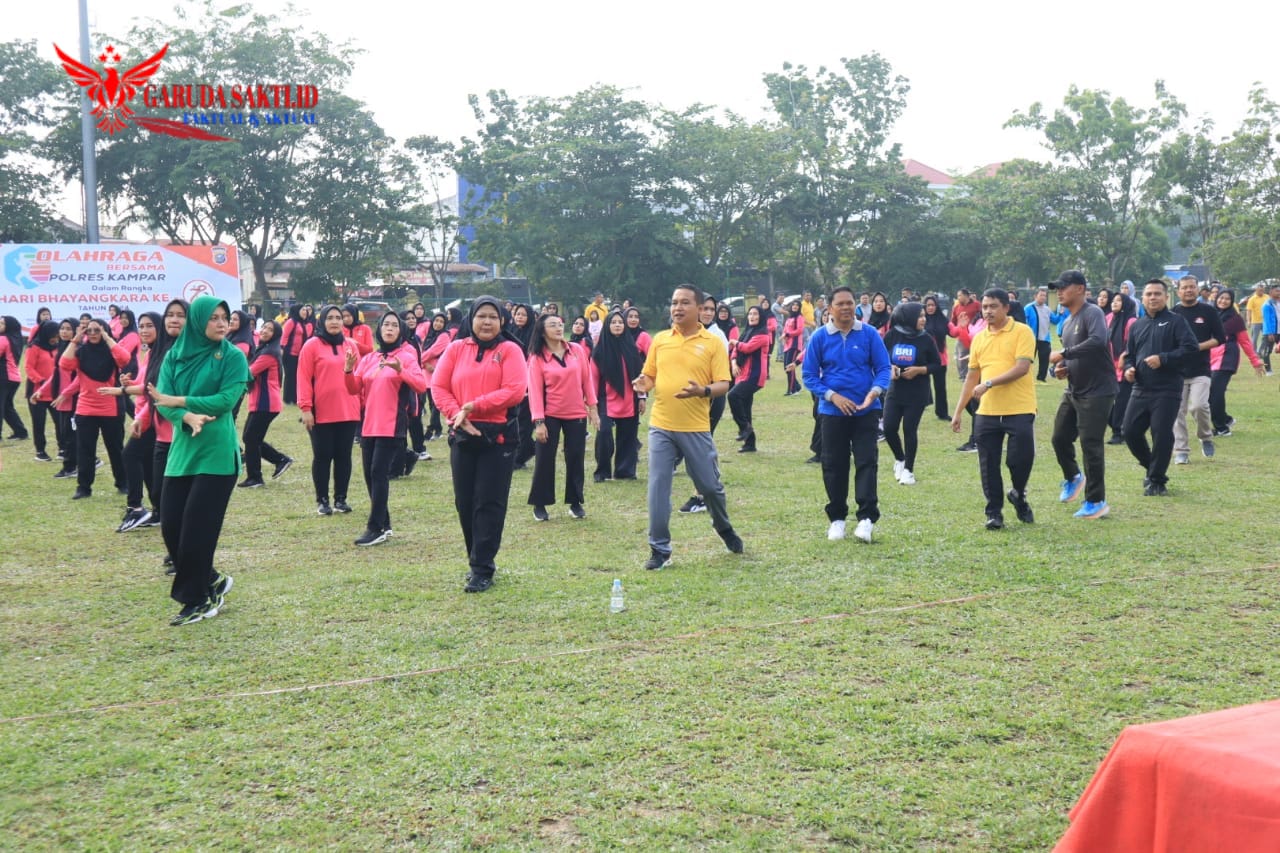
[211, 376]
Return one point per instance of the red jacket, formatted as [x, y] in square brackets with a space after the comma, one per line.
[265, 394]
[39, 364]
[90, 403]
[558, 389]
[494, 384]
[431, 356]
[793, 334]
[322, 387]
[67, 386]
[757, 350]
[362, 335]
[10, 363]
[293, 335]
[378, 388]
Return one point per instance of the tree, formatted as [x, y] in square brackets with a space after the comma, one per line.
[1107, 151]
[439, 231]
[30, 88]
[1246, 247]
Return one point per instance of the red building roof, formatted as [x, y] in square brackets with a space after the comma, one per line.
[931, 175]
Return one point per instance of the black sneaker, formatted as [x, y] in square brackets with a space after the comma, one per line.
[169, 568]
[43, 457]
[540, 513]
[282, 467]
[1156, 490]
[194, 613]
[64, 474]
[968, 447]
[373, 537]
[577, 511]
[477, 583]
[250, 483]
[152, 519]
[1116, 439]
[341, 506]
[815, 459]
[1025, 515]
[82, 493]
[218, 590]
[323, 508]
[600, 478]
[657, 560]
[995, 522]
[22, 437]
[732, 541]
[694, 504]
[410, 462]
[133, 518]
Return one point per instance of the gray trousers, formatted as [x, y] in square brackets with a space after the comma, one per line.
[703, 465]
[1195, 401]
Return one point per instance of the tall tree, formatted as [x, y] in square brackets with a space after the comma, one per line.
[439, 231]
[1246, 247]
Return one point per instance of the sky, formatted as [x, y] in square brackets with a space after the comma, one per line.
[970, 65]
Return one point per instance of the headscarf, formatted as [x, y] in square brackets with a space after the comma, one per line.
[761, 328]
[626, 317]
[455, 318]
[271, 347]
[1105, 305]
[35, 330]
[13, 331]
[411, 335]
[935, 324]
[520, 335]
[350, 308]
[244, 334]
[1226, 313]
[96, 361]
[584, 337]
[504, 333]
[334, 341]
[725, 325]
[56, 386]
[432, 332]
[905, 317]
[127, 314]
[385, 347]
[613, 353]
[1119, 324]
[158, 322]
[878, 319]
[164, 342]
[47, 329]
[192, 352]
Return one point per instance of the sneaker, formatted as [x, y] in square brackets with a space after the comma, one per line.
[1222, 433]
[65, 474]
[152, 519]
[1025, 515]
[1155, 490]
[218, 591]
[16, 437]
[1092, 510]
[133, 518]
[282, 467]
[1181, 458]
[373, 537]
[815, 459]
[995, 522]
[81, 493]
[863, 530]
[540, 513]
[1206, 447]
[97, 463]
[1116, 438]
[1232, 421]
[899, 465]
[194, 613]
[1071, 488]
[836, 531]
[600, 478]
[478, 583]
[732, 541]
[424, 456]
[341, 506]
[694, 504]
[43, 457]
[250, 483]
[323, 508]
[657, 560]
[968, 447]
[577, 511]
[907, 478]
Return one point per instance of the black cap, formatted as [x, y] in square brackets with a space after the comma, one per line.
[1067, 279]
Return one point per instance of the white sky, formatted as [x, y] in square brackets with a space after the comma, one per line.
[970, 65]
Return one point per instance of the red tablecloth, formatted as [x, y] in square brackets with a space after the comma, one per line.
[1204, 783]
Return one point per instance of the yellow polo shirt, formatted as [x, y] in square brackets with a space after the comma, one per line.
[595, 313]
[995, 351]
[672, 361]
[1253, 307]
[806, 311]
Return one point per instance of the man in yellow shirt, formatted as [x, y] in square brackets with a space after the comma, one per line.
[1253, 312]
[595, 314]
[1000, 359]
[685, 368]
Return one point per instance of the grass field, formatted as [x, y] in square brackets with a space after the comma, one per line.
[943, 688]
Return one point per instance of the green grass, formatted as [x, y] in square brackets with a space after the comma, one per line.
[960, 696]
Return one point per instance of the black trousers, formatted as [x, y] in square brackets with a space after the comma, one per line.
[192, 510]
[66, 436]
[377, 455]
[843, 435]
[815, 440]
[255, 448]
[717, 412]
[1043, 348]
[989, 432]
[741, 399]
[617, 455]
[793, 376]
[417, 435]
[904, 448]
[8, 392]
[1084, 418]
[434, 425]
[158, 463]
[331, 449]
[1118, 407]
[38, 412]
[542, 492]
[290, 389]
[1156, 414]
[1218, 383]
[139, 458]
[526, 447]
[940, 407]
[87, 429]
[481, 484]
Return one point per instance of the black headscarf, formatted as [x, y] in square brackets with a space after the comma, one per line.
[13, 331]
[613, 353]
[96, 361]
[35, 330]
[163, 342]
[749, 332]
[385, 347]
[333, 341]
[725, 325]
[56, 386]
[432, 332]
[47, 329]
[905, 317]
[244, 334]
[878, 319]
[520, 335]
[584, 337]
[158, 322]
[411, 335]
[1119, 322]
[455, 319]
[935, 324]
[271, 347]
[504, 333]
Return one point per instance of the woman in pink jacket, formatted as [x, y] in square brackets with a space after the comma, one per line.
[562, 399]
[792, 344]
[297, 330]
[616, 361]
[12, 342]
[98, 360]
[358, 332]
[752, 359]
[42, 354]
[388, 381]
[478, 383]
[265, 403]
[329, 411]
[58, 391]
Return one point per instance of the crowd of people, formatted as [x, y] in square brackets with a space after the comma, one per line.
[509, 384]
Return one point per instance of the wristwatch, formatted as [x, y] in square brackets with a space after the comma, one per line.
[539, 422]
[987, 383]
[706, 390]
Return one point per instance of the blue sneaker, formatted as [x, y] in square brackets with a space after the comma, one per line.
[1071, 488]
[1093, 510]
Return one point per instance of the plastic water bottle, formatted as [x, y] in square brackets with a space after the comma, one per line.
[616, 602]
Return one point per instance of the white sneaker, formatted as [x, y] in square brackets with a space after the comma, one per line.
[836, 531]
[899, 465]
[906, 478]
[863, 530]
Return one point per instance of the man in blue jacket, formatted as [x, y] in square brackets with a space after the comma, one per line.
[847, 366]
[1042, 321]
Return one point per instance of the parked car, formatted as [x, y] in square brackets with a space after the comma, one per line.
[372, 311]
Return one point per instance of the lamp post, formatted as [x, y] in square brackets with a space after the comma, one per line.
[86, 139]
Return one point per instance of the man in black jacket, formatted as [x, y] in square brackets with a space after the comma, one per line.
[1206, 325]
[1159, 344]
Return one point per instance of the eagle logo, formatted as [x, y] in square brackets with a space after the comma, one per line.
[112, 94]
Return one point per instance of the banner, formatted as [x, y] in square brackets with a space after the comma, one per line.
[72, 279]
